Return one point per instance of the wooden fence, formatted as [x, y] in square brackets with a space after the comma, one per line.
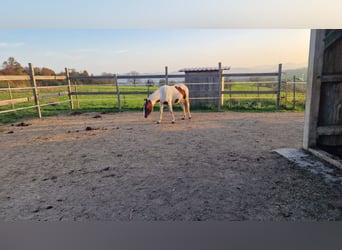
[116, 92]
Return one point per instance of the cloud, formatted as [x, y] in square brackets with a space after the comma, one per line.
[10, 45]
[86, 50]
[121, 51]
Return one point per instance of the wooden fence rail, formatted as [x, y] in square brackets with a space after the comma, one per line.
[71, 79]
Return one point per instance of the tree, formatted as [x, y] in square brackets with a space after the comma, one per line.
[84, 73]
[47, 72]
[134, 80]
[149, 82]
[12, 67]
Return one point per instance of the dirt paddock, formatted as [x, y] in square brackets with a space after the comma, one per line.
[121, 167]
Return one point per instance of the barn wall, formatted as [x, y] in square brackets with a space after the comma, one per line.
[330, 109]
[323, 114]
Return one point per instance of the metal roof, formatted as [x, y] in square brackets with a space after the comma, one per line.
[203, 69]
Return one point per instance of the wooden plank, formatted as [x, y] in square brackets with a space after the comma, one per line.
[50, 77]
[331, 78]
[326, 157]
[250, 74]
[306, 161]
[149, 76]
[15, 78]
[249, 92]
[110, 93]
[13, 101]
[17, 109]
[329, 130]
[134, 93]
[27, 77]
[202, 83]
[313, 88]
[74, 78]
[93, 93]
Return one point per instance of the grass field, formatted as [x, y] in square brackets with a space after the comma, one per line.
[109, 103]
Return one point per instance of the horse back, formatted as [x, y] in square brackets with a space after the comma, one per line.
[182, 89]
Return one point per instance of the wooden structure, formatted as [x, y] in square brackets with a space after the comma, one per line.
[323, 114]
[205, 85]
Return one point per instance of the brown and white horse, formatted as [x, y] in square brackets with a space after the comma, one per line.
[168, 95]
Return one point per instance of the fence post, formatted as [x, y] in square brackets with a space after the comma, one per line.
[35, 90]
[279, 85]
[10, 93]
[230, 95]
[117, 91]
[69, 88]
[220, 86]
[166, 76]
[294, 92]
[76, 91]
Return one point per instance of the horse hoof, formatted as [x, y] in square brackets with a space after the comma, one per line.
[173, 122]
[158, 122]
[183, 118]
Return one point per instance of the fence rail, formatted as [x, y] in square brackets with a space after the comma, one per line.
[69, 82]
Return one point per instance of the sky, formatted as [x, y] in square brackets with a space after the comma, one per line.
[147, 35]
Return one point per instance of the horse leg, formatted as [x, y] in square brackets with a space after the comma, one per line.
[161, 107]
[183, 108]
[187, 107]
[171, 111]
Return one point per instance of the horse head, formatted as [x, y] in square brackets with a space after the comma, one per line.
[147, 107]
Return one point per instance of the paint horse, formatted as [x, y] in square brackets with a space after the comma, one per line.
[168, 95]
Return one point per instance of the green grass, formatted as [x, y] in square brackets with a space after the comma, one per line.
[109, 103]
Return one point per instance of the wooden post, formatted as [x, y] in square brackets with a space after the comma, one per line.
[117, 91]
[166, 76]
[220, 87]
[313, 89]
[10, 94]
[294, 92]
[69, 88]
[35, 90]
[78, 102]
[230, 95]
[279, 85]
[148, 89]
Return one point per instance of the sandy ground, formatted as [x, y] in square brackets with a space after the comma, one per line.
[121, 167]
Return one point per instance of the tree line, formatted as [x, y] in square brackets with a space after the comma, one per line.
[12, 67]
